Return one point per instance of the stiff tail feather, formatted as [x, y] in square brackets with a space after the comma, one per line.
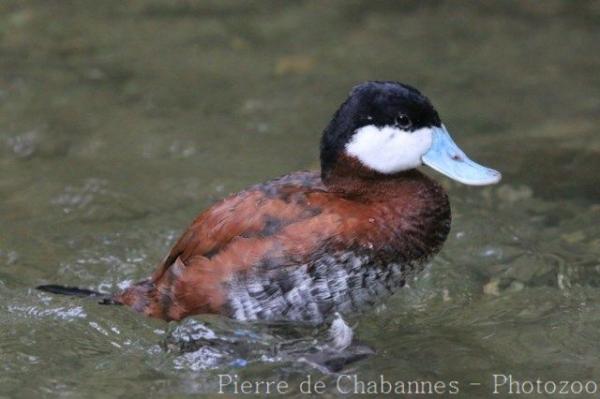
[105, 299]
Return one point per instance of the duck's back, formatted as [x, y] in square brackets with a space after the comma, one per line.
[292, 249]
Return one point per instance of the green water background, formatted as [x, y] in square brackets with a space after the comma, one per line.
[120, 121]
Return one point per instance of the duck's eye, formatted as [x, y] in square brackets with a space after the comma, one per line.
[403, 121]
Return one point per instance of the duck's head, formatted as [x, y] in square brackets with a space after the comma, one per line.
[385, 128]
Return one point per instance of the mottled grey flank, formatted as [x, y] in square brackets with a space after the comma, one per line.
[342, 282]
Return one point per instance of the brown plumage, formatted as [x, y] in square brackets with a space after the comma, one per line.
[286, 223]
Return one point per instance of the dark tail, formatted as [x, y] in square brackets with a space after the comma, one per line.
[105, 299]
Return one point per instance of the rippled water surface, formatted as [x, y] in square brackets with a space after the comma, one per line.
[119, 121]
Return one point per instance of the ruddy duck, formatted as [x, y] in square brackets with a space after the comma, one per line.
[308, 245]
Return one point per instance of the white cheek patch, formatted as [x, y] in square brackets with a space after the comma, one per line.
[389, 149]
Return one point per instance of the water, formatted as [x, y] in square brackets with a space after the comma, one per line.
[121, 120]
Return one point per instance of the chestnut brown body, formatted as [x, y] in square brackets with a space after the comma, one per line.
[298, 248]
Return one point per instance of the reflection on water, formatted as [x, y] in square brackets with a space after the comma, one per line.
[121, 120]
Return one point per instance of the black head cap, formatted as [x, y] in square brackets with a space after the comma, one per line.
[375, 103]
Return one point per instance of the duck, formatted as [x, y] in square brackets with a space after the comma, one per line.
[313, 244]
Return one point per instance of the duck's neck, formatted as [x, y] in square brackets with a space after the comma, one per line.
[351, 178]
